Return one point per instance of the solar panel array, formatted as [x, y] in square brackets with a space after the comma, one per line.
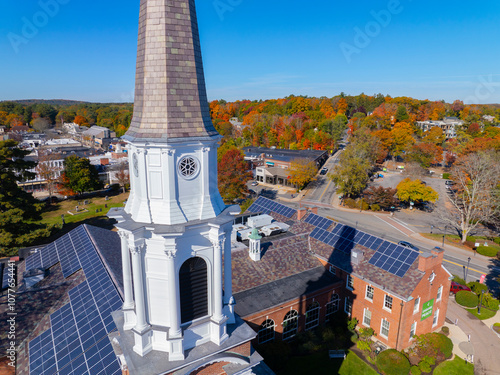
[77, 342]
[318, 221]
[394, 259]
[267, 206]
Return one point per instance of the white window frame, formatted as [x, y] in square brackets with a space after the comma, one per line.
[382, 328]
[367, 315]
[416, 305]
[439, 294]
[386, 302]
[435, 318]
[294, 317]
[333, 270]
[333, 306]
[346, 302]
[266, 329]
[312, 316]
[366, 293]
[413, 330]
[349, 283]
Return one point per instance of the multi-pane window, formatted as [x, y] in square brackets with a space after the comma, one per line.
[413, 329]
[332, 306]
[416, 305]
[440, 293]
[312, 315]
[369, 292]
[333, 270]
[384, 329]
[290, 324]
[348, 306]
[435, 319]
[266, 331]
[349, 283]
[367, 317]
[388, 302]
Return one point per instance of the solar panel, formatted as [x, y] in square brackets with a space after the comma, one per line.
[78, 335]
[34, 260]
[318, 221]
[6, 276]
[267, 206]
[49, 256]
[394, 259]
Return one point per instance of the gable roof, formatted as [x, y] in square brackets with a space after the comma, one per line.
[68, 314]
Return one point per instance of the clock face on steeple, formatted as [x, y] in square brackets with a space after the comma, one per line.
[188, 167]
[135, 165]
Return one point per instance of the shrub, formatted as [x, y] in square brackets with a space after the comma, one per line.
[351, 324]
[477, 287]
[496, 240]
[392, 362]
[366, 333]
[459, 280]
[424, 366]
[488, 251]
[470, 244]
[490, 302]
[363, 204]
[466, 298]
[354, 338]
[351, 203]
[415, 370]
[471, 239]
[375, 207]
[430, 360]
[446, 330]
[434, 344]
[364, 346]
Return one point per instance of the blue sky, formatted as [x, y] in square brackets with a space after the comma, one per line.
[254, 49]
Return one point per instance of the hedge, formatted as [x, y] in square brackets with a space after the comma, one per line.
[459, 280]
[488, 251]
[392, 362]
[497, 240]
[466, 298]
[415, 370]
[490, 302]
[477, 287]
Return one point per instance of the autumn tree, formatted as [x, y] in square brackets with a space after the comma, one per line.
[40, 124]
[122, 176]
[384, 197]
[79, 175]
[415, 191]
[49, 170]
[233, 175]
[476, 197]
[425, 154]
[302, 172]
[402, 138]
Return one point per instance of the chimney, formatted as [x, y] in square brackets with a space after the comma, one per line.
[424, 261]
[301, 213]
[314, 210]
[357, 256]
[439, 253]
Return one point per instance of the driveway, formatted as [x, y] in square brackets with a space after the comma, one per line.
[486, 343]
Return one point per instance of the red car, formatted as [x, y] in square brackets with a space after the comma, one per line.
[456, 287]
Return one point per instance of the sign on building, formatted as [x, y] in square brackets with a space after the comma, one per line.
[427, 309]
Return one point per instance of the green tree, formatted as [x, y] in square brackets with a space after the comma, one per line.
[233, 175]
[18, 209]
[402, 114]
[302, 172]
[79, 175]
[415, 191]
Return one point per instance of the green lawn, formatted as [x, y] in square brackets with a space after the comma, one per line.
[457, 366]
[321, 364]
[455, 240]
[485, 313]
[52, 214]
[353, 365]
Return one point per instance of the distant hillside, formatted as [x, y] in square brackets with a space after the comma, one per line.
[50, 101]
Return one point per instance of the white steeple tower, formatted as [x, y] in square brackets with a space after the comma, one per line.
[175, 227]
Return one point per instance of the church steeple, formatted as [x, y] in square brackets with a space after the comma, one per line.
[170, 95]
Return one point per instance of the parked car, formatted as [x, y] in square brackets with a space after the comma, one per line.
[408, 245]
[324, 171]
[456, 287]
[254, 183]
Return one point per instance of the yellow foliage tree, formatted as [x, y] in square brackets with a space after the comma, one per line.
[302, 172]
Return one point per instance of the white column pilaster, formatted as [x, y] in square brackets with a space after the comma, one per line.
[128, 303]
[228, 283]
[218, 299]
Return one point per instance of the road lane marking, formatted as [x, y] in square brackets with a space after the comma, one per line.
[462, 265]
[399, 230]
[324, 191]
[402, 223]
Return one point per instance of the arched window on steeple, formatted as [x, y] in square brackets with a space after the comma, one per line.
[193, 283]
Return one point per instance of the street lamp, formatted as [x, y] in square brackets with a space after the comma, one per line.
[444, 235]
[480, 303]
[467, 271]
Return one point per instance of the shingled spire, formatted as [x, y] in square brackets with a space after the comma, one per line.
[170, 95]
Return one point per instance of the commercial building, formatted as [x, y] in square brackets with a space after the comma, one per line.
[449, 126]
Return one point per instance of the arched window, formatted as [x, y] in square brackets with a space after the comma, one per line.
[290, 324]
[266, 331]
[312, 315]
[193, 284]
[333, 306]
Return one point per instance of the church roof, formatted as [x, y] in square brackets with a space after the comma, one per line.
[170, 95]
[64, 320]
